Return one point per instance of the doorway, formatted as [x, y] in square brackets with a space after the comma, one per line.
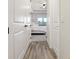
[39, 18]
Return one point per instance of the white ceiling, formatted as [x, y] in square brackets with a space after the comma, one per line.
[38, 4]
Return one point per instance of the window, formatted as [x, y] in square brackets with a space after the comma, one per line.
[45, 19]
[39, 19]
[42, 21]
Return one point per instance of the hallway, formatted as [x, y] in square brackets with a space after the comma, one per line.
[39, 50]
[38, 29]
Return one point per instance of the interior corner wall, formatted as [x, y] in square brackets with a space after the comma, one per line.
[65, 29]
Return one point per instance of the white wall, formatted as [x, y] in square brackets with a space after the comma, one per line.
[10, 37]
[58, 25]
[64, 29]
[53, 25]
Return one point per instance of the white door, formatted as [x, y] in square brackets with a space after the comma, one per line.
[19, 34]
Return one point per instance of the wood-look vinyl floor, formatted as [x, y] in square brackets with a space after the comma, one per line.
[39, 50]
